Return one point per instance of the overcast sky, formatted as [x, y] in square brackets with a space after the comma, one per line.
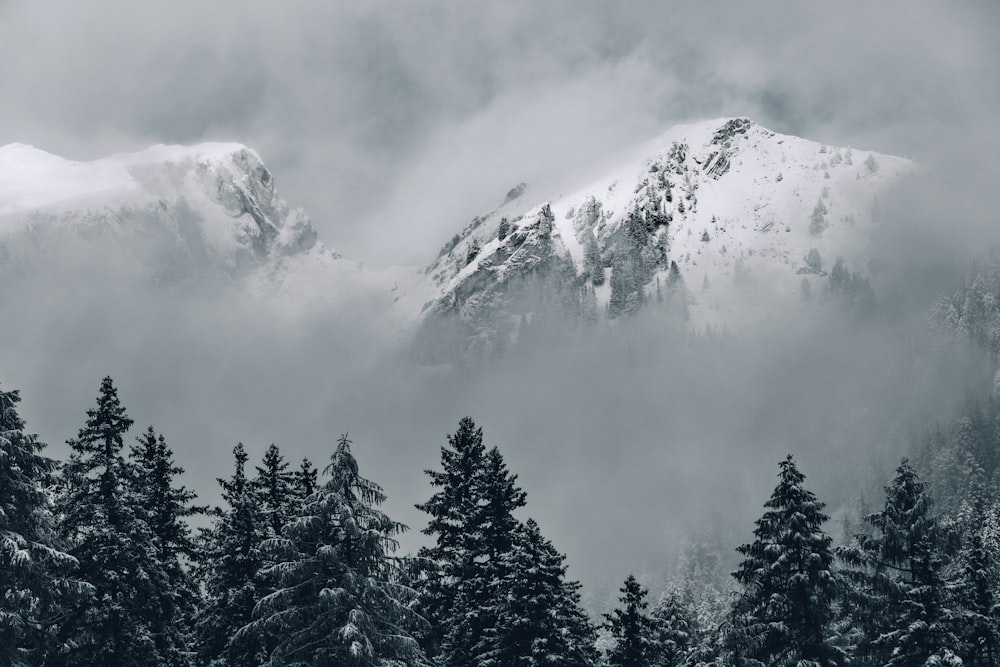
[393, 123]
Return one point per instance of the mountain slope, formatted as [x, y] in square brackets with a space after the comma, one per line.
[699, 221]
[692, 218]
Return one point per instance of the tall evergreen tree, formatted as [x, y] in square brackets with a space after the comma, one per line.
[979, 619]
[538, 618]
[471, 516]
[899, 594]
[304, 480]
[631, 628]
[339, 600]
[275, 485]
[101, 519]
[35, 574]
[676, 632]
[165, 508]
[785, 612]
[230, 567]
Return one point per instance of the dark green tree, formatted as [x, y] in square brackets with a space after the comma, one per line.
[101, 518]
[676, 632]
[471, 517]
[165, 508]
[339, 599]
[631, 628]
[785, 613]
[36, 575]
[229, 570]
[898, 596]
[538, 618]
[304, 480]
[275, 485]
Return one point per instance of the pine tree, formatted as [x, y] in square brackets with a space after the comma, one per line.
[230, 567]
[898, 598]
[631, 628]
[539, 620]
[274, 485]
[36, 582]
[471, 516]
[339, 600]
[979, 615]
[592, 263]
[304, 480]
[102, 520]
[165, 509]
[784, 614]
[676, 631]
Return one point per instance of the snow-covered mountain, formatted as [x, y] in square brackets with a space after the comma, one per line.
[685, 222]
[170, 214]
[692, 219]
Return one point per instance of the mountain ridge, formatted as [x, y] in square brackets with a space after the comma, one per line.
[690, 218]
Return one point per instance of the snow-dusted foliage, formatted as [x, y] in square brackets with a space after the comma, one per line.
[36, 575]
[899, 599]
[105, 525]
[493, 589]
[339, 599]
[784, 615]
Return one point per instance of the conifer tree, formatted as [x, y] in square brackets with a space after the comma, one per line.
[101, 519]
[165, 508]
[305, 479]
[274, 484]
[36, 581]
[339, 600]
[676, 631]
[979, 615]
[898, 598]
[537, 613]
[471, 516]
[784, 614]
[631, 628]
[230, 567]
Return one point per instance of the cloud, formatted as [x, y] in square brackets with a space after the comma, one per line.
[356, 107]
[393, 123]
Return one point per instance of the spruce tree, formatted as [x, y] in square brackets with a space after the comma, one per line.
[471, 517]
[165, 509]
[304, 480]
[784, 614]
[979, 612]
[538, 618]
[899, 594]
[339, 599]
[36, 576]
[101, 518]
[231, 561]
[676, 632]
[631, 628]
[275, 486]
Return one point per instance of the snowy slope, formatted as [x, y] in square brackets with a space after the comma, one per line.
[731, 203]
[176, 213]
[699, 214]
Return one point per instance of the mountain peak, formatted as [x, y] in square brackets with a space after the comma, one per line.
[213, 204]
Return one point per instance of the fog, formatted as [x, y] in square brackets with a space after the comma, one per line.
[394, 125]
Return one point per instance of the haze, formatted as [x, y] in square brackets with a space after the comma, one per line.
[393, 124]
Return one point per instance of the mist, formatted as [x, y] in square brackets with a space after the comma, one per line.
[392, 126]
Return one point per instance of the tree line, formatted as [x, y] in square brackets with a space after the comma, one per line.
[299, 566]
